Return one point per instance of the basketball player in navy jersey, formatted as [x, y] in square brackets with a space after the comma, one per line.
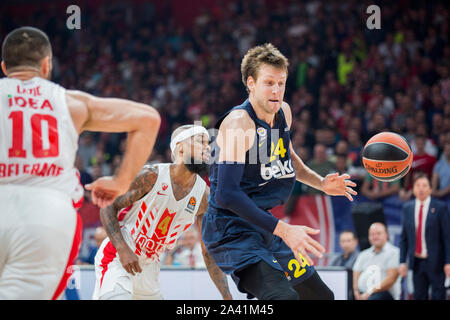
[254, 170]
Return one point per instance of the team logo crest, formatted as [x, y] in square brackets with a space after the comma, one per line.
[164, 186]
[191, 204]
[261, 132]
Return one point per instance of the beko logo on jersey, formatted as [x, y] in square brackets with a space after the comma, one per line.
[277, 170]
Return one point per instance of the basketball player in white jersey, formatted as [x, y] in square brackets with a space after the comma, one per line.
[40, 121]
[162, 202]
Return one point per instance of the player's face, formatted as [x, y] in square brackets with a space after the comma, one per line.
[200, 148]
[197, 158]
[268, 89]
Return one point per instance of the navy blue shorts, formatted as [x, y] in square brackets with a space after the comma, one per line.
[235, 244]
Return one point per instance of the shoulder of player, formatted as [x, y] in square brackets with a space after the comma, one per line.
[148, 175]
[237, 119]
[77, 103]
[287, 113]
[141, 185]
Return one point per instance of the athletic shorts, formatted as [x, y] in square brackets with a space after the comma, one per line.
[109, 272]
[234, 244]
[40, 235]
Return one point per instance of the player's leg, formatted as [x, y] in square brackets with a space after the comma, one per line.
[118, 293]
[266, 283]
[112, 282]
[146, 284]
[314, 288]
[303, 277]
[40, 229]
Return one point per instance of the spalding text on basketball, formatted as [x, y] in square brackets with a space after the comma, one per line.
[382, 170]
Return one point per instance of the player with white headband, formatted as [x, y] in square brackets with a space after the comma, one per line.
[162, 202]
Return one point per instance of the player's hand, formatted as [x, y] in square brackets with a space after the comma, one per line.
[403, 270]
[105, 190]
[338, 185]
[129, 260]
[447, 270]
[364, 296]
[297, 238]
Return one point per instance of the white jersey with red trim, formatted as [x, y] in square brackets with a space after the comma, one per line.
[38, 140]
[157, 220]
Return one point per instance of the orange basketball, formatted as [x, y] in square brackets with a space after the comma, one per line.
[387, 156]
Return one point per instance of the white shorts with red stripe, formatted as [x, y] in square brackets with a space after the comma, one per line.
[40, 234]
[109, 273]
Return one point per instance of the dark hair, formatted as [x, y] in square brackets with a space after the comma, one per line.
[25, 46]
[420, 175]
[421, 136]
[263, 54]
[349, 231]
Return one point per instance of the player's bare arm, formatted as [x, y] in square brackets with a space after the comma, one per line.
[218, 277]
[116, 115]
[236, 136]
[333, 184]
[143, 183]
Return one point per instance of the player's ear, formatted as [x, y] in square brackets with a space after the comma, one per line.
[46, 66]
[4, 67]
[250, 83]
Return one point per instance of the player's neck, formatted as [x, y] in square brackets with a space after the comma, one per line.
[24, 74]
[181, 175]
[261, 113]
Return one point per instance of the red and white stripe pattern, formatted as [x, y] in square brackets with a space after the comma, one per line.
[109, 254]
[326, 225]
[317, 213]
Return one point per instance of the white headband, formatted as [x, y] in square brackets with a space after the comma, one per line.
[187, 134]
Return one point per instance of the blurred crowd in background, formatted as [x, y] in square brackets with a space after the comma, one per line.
[346, 82]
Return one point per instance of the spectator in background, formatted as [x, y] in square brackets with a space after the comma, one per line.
[375, 271]
[355, 147]
[441, 175]
[86, 148]
[422, 162]
[348, 243]
[341, 163]
[99, 236]
[85, 177]
[425, 241]
[374, 189]
[189, 252]
[320, 164]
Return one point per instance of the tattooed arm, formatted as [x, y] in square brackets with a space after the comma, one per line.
[218, 277]
[141, 185]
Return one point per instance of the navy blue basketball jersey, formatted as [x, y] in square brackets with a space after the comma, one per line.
[269, 175]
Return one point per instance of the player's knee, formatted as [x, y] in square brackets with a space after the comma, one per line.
[280, 293]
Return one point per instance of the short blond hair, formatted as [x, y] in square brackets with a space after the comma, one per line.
[263, 54]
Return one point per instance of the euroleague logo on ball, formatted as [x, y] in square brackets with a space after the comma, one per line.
[387, 156]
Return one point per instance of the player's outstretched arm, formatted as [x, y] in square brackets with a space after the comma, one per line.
[140, 121]
[333, 184]
[229, 194]
[141, 185]
[218, 276]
